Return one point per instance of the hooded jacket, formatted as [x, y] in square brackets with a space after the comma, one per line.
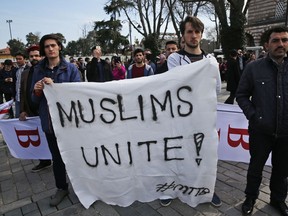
[180, 58]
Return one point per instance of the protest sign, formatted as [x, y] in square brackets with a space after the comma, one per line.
[25, 139]
[140, 139]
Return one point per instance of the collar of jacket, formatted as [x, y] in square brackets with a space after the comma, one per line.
[62, 65]
[268, 58]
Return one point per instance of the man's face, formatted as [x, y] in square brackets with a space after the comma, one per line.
[20, 60]
[240, 53]
[170, 48]
[139, 57]
[52, 50]
[7, 67]
[34, 57]
[277, 45]
[97, 53]
[192, 37]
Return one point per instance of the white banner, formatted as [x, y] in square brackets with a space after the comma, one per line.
[25, 139]
[231, 125]
[140, 139]
[232, 128]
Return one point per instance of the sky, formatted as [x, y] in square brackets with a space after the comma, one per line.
[52, 16]
[49, 16]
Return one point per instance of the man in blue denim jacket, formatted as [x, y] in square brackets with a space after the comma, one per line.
[52, 69]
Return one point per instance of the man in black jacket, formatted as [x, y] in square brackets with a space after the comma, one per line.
[262, 94]
[233, 76]
[170, 47]
[98, 70]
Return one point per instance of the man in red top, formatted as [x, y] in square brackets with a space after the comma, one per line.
[139, 68]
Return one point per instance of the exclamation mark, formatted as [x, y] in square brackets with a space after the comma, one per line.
[198, 140]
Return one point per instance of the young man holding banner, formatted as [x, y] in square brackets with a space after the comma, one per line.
[192, 30]
[262, 95]
[52, 69]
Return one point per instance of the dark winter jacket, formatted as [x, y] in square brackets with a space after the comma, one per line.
[262, 94]
[26, 104]
[232, 75]
[98, 71]
[8, 87]
[65, 72]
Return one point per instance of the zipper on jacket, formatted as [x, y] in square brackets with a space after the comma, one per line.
[280, 68]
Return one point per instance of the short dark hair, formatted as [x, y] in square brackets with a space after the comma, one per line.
[49, 37]
[20, 54]
[195, 22]
[233, 53]
[171, 42]
[138, 50]
[277, 29]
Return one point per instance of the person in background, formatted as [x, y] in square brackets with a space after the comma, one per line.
[139, 68]
[192, 30]
[252, 57]
[232, 76]
[27, 108]
[241, 60]
[87, 60]
[98, 70]
[223, 68]
[7, 82]
[160, 60]
[1, 92]
[262, 94]
[20, 59]
[118, 70]
[262, 54]
[52, 69]
[170, 47]
[81, 67]
[149, 59]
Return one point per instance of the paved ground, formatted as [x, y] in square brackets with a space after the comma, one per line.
[25, 193]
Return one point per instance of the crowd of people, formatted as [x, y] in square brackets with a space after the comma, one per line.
[231, 69]
[259, 86]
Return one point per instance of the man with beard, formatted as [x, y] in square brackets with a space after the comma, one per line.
[192, 30]
[139, 68]
[262, 94]
[27, 108]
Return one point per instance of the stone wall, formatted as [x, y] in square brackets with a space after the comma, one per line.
[264, 14]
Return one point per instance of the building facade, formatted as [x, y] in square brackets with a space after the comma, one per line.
[262, 15]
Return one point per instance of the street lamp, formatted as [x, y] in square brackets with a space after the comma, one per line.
[130, 30]
[9, 23]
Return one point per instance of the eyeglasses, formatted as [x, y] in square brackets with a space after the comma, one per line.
[50, 45]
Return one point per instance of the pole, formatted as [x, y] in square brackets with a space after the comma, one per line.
[130, 35]
[9, 23]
